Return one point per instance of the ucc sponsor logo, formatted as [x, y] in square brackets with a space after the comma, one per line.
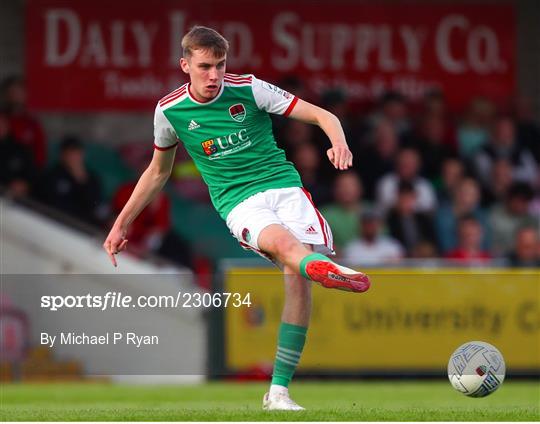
[228, 144]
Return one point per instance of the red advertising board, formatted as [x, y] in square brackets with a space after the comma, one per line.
[120, 55]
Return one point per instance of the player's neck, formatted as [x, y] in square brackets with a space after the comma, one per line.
[200, 99]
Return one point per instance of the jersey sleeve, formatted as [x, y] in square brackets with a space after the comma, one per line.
[271, 98]
[164, 135]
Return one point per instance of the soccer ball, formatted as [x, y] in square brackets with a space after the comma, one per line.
[476, 369]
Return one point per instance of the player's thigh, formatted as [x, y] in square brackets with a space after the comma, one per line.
[248, 219]
[278, 241]
[296, 210]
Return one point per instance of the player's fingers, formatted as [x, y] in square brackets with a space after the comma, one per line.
[347, 158]
[108, 248]
[339, 154]
[331, 156]
[123, 245]
[343, 159]
[113, 259]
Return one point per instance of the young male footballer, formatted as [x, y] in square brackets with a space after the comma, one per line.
[223, 121]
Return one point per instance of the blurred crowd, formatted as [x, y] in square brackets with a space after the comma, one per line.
[426, 182]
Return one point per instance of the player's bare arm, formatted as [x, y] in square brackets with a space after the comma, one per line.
[150, 183]
[339, 154]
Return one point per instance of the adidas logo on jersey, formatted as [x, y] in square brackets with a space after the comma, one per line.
[311, 230]
[193, 125]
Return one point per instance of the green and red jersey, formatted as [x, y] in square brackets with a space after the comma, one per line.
[230, 138]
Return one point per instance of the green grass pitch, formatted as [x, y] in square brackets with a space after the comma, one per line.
[325, 401]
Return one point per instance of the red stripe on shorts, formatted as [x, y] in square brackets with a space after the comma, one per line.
[319, 216]
[260, 252]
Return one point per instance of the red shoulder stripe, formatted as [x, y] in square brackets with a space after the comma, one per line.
[183, 87]
[170, 99]
[237, 77]
[174, 93]
[246, 81]
[237, 81]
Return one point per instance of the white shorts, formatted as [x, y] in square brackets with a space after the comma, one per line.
[292, 208]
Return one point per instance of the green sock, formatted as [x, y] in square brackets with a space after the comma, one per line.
[309, 258]
[291, 341]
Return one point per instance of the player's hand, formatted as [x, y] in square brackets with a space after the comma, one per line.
[340, 156]
[114, 243]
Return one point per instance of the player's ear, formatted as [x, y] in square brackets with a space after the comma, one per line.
[184, 65]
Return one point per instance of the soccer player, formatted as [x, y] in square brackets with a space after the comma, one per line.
[222, 120]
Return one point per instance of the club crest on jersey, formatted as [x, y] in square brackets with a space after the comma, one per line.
[209, 147]
[246, 235]
[237, 112]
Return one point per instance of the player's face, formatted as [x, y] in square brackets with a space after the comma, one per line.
[206, 73]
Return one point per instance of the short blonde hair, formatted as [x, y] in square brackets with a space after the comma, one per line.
[203, 38]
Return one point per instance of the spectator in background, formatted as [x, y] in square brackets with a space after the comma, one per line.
[407, 168]
[528, 130]
[526, 251]
[335, 101]
[186, 178]
[534, 207]
[499, 183]
[409, 227]
[342, 214]
[504, 145]
[465, 202]
[372, 247]
[151, 232]
[393, 108]
[506, 219]
[434, 105]
[424, 250]
[473, 133]
[71, 187]
[469, 245]
[24, 127]
[452, 172]
[378, 158]
[428, 141]
[307, 161]
[294, 134]
[16, 164]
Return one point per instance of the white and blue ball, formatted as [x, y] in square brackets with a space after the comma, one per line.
[476, 369]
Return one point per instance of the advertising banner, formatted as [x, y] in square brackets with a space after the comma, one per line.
[408, 320]
[124, 55]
